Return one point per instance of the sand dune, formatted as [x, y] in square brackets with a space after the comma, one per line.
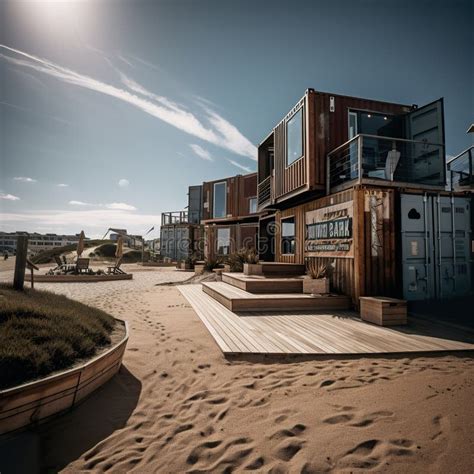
[179, 406]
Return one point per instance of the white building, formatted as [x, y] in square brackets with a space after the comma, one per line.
[36, 242]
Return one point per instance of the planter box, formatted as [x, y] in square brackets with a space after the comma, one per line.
[198, 268]
[316, 286]
[37, 401]
[253, 269]
[186, 266]
[383, 311]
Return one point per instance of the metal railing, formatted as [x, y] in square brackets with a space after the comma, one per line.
[264, 191]
[180, 217]
[367, 158]
[461, 169]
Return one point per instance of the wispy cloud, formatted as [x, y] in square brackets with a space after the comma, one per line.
[242, 167]
[120, 206]
[24, 179]
[201, 152]
[219, 131]
[9, 197]
[62, 185]
[123, 183]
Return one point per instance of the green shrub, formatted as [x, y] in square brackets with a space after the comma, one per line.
[41, 332]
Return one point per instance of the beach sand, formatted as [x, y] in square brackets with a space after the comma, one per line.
[178, 405]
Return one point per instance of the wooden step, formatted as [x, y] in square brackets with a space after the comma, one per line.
[275, 268]
[264, 284]
[236, 299]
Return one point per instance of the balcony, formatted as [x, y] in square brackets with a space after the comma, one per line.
[386, 161]
[264, 192]
[461, 170]
[180, 217]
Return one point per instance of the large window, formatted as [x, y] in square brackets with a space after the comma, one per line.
[223, 241]
[288, 235]
[220, 200]
[294, 137]
[252, 205]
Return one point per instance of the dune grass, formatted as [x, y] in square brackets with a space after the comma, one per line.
[41, 332]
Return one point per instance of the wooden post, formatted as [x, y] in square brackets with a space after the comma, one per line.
[20, 263]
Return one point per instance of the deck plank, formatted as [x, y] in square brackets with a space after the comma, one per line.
[322, 332]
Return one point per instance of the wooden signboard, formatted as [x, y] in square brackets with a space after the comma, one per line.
[329, 231]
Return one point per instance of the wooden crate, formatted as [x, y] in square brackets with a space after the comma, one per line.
[383, 311]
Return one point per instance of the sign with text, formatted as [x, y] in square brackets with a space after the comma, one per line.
[329, 231]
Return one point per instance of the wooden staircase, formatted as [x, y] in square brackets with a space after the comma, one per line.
[270, 292]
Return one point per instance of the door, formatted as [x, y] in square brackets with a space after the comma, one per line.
[417, 247]
[435, 246]
[426, 162]
[452, 225]
[266, 239]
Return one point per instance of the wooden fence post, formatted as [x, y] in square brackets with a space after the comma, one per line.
[20, 263]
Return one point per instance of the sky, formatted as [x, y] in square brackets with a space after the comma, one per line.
[110, 109]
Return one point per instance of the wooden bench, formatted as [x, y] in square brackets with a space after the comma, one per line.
[383, 311]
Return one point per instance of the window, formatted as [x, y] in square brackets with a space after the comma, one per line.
[252, 205]
[288, 236]
[223, 241]
[220, 200]
[294, 137]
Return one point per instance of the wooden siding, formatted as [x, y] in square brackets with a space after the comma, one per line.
[290, 178]
[240, 235]
[323, 131]
[331, 129]
[372, 270]
[240, 189]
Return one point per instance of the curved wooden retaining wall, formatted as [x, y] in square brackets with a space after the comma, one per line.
[77, 278]
[37, 401]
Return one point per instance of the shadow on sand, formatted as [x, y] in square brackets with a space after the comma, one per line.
[53, 445]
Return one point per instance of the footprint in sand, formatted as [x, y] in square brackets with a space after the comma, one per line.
[372, 418]
[336, 419]
[289, 433]
[288, 448]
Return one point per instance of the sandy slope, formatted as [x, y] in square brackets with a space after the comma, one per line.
[179, 406]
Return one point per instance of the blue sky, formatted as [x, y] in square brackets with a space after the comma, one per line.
[109, 110]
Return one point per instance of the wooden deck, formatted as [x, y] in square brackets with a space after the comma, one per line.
[264, 284]
[322, 333]
[235, 299]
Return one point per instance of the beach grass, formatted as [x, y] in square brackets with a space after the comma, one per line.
[41, 332]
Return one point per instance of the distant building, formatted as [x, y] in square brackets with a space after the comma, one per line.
[181, 233]
[130, 240]
[36, 242]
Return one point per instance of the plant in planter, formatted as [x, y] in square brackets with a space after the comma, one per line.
[237, 260]
[211, 263]
[188, 262]
[317, 278]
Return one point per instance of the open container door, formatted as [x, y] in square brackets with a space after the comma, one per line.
[426, 124]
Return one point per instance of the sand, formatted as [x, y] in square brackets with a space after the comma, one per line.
[178, 405]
